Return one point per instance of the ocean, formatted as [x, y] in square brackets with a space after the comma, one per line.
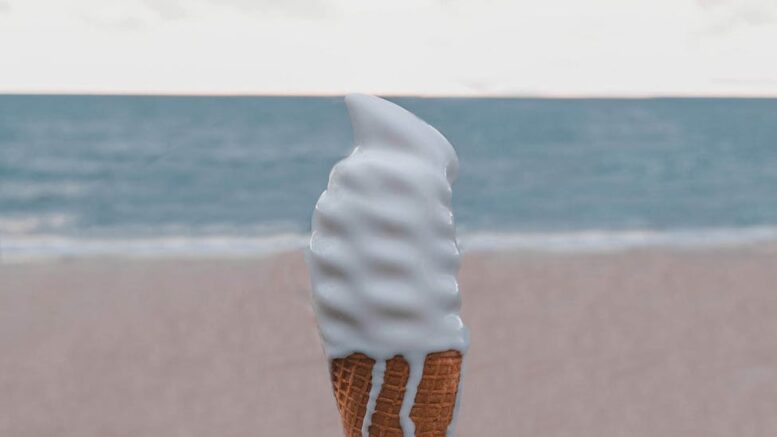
[152, 175]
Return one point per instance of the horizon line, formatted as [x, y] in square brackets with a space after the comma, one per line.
[549, 96]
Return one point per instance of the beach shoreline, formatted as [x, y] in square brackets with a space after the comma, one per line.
[638, 342]
[23, 248]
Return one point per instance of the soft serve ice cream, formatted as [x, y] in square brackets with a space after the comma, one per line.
[383, 253]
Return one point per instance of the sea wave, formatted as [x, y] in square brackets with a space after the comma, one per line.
[31, 191]
[609, 240]
[15, 248]
[31, 224]
[40, 247]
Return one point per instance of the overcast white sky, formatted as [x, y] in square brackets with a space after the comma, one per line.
[429, 47]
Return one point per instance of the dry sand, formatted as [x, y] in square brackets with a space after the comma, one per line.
[647, 343]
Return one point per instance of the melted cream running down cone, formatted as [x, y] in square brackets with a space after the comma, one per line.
[383, 260]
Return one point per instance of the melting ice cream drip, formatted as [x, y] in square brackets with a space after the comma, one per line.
[383, 252]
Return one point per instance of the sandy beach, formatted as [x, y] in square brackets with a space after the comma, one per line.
[639, 343]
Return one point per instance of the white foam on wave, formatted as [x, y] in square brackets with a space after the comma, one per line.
[610, 241]
[32, 247]
[29, 224]
[43, 247]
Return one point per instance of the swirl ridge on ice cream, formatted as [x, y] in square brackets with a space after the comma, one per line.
[383, 251]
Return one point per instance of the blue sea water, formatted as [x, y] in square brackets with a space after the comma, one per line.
[155, 175]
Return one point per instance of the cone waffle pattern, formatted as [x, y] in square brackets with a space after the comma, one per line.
[434, 402]
[351, 380]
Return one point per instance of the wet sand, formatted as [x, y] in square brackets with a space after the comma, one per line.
[644, 343]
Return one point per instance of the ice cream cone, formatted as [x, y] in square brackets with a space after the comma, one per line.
[433, 406]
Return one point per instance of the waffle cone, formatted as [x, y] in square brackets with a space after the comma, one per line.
[434, 402]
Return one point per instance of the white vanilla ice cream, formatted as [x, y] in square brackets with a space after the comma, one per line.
[383, 252]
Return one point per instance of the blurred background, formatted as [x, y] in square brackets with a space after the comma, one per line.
[616, 206]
